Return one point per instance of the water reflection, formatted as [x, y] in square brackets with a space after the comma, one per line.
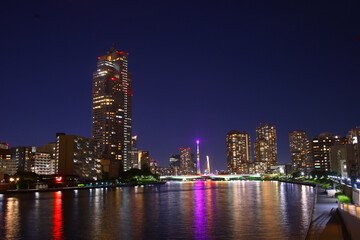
[57, 217]
[191, 210]
[200, 231]
[12, 219]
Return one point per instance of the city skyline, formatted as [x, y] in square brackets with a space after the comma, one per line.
[175, 95]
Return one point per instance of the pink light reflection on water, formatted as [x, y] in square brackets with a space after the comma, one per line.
[200, 218]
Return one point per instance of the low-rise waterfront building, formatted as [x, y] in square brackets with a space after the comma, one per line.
[43, 164]
[7, 165]
[76, 155]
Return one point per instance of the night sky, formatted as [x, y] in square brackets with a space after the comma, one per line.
[200, 69]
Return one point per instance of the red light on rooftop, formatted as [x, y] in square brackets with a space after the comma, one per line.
[180, 148]
[127, 53]
[188, 148]
[99, 57]
[119, 52]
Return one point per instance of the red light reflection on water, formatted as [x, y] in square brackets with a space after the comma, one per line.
[57, 221]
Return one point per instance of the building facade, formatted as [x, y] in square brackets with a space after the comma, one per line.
[175, 164]
[7, 164]
[354, 139]
[297, 144]
[112, 108]
[144, 158]
[238, 152]
[134, 153]
[265, 147]
[24, 157]
[187, 163]
[43, 164]
[76, 155]
[342, 158]
[318, 151]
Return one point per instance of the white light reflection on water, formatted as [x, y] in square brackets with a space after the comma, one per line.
[12, 219]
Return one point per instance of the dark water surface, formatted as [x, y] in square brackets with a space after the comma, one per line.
[191, 210]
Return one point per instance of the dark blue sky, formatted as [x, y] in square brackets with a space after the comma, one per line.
[200, 69]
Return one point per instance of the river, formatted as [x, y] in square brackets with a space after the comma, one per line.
[176, 210]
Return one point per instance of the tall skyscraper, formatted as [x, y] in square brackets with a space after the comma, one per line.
[112, 108]
[238, 151]
[198, 170]
[297, 144]
[266, 146]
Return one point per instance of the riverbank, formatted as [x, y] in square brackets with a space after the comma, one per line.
[326, 222]
[298, 182]
[12, 191]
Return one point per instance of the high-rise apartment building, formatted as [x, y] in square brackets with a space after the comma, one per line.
[238, 152]
[112, 108]
[134, 153]
[297, 144]
[187, 164]
[266, 146]
[318, 151]
[174, 163]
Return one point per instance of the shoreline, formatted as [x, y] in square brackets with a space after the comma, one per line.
[77, 188]
[117, 185]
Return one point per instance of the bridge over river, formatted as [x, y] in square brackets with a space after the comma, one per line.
[211, 177]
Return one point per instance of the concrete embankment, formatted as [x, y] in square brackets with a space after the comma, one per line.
[326, 221]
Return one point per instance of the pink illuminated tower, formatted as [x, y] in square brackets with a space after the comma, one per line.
[198, 157]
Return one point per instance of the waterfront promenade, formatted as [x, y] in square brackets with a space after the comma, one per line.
[326, 221]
